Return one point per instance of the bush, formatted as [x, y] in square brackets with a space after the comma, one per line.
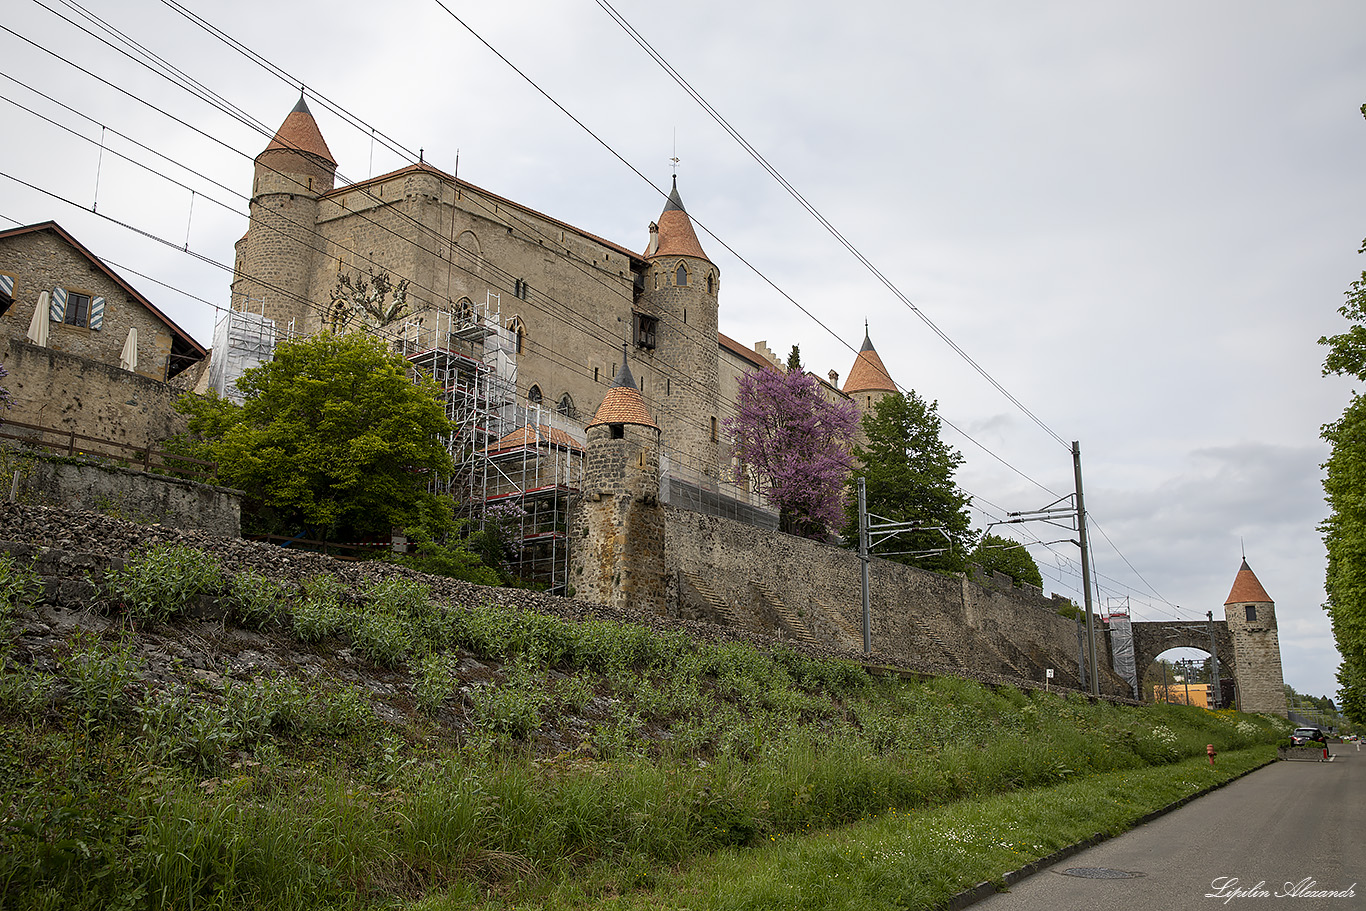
[163, 581]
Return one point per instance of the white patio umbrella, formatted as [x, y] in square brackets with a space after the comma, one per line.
[37, 327]
[128, 359]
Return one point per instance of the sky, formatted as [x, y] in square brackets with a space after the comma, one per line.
[1138, 219]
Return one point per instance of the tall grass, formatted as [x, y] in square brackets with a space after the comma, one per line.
[288, 793]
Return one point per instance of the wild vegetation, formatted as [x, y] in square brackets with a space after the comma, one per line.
[493, 757]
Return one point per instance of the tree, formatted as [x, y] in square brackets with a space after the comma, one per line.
[1344, 531]
[793, 445]
[909, 472]
[997, 554]
[332, 437]
[794, 359]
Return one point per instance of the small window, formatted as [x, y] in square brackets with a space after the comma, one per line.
[711, 284]
[645, 329]
[595, 375]
[1251, 613]
[518, 331]
[681, 275]
[566, 406]
[77, 309]
[519, 288]
[464, 311]
[713, 430]
[618, 431]
[533, 395]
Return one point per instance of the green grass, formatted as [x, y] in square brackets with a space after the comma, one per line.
[120, 790]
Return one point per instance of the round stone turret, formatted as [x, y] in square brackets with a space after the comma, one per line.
[1251, 617]
[676, 334]
[275, 259]
[617, 545]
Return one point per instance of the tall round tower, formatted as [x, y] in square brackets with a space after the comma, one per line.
[1251, 617]
[618, 531]
[868, 383]
[275, 259]
[676, 326]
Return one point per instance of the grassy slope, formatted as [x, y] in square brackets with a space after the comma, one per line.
[574, 763]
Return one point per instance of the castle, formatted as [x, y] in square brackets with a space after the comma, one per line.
[520, 314]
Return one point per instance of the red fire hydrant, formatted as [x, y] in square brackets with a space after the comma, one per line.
[1209, 749]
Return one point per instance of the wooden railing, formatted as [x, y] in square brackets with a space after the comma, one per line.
[71, 443]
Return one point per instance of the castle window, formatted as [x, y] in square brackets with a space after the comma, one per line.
[713, 430]
[566, 406]
[618, 431]
[644, 329]
[464, 311]
[519, 288]
[519, 332]
[1251, 613]
[533, 395]
[681, 276]
[711, 284]
[595, 375]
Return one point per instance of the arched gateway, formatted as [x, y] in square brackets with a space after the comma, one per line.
[1245, 643]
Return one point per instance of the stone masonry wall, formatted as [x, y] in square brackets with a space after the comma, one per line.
[151, 499]
[918, 618]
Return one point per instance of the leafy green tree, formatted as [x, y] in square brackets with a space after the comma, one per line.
[997, 554]
[909, 470]
[1344, 531]
[332, 438]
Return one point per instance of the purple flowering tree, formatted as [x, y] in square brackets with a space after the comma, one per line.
[793, 446]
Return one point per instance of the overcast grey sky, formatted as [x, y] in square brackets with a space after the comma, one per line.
[1138, 218]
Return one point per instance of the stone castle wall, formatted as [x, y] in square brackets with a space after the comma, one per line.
[919, 617]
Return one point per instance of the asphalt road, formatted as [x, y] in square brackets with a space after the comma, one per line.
[1270, 831]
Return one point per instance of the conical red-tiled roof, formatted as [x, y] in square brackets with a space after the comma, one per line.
[868, 374]
[300, 133]
[1246, 588]
[623, 403]
[676, 234]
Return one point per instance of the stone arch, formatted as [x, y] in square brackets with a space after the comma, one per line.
[1153, 638]
[468, 244]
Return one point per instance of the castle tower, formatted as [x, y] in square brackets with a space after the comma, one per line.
[274, 262]
[868, 383]
[675, 326]
[1251, 617]
[618, 531]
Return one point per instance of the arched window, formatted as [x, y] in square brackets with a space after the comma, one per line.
[518, 331]
[566, 406]
[681, 275]
[464, 311]
[533, 395]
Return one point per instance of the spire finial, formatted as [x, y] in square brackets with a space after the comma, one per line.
[674, 159]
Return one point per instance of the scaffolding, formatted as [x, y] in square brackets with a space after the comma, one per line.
[515, 466]
[241, 340]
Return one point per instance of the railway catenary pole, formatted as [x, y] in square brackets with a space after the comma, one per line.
[1215, 692]
[1085, 570]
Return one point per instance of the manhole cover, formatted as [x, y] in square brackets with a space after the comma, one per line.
[1099, 873]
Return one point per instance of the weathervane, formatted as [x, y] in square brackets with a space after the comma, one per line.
[675, 158]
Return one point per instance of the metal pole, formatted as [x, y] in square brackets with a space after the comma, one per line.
[1166, 685]
[1086, 570]
[863, 559]
[1218, 693]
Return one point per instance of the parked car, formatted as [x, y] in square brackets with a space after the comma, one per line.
[1307, 736]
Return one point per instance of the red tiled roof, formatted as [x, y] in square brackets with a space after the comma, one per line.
[623, 405]
[868, 374]
[300, 133]
[676, 235]
[535, 435]
[749, 354]
[1246, 588]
